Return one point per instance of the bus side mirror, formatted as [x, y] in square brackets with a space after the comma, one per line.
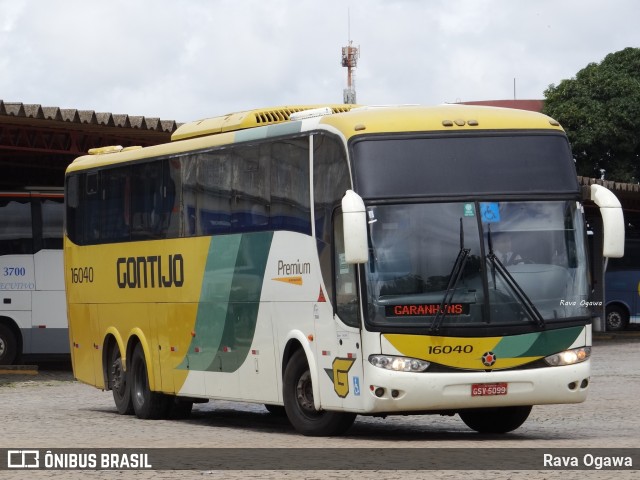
[354, 218]
[612, 221]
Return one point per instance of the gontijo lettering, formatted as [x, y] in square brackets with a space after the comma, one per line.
[153, 271]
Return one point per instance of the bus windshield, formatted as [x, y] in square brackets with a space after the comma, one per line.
[471, 165]
[466, 264]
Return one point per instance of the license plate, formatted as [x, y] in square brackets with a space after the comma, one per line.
[484, 389]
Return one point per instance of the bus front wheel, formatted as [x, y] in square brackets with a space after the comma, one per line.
[299, 406]
[8, 346]
[616, 318]
[120, 384]
[146, 404]
[495, 420]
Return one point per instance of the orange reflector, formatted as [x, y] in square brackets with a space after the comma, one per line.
[310, 337]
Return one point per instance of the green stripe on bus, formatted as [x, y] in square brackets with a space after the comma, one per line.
[280, 129]
[229, 302]
[539, 344]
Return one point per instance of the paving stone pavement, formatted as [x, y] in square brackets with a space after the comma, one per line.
[52, 410]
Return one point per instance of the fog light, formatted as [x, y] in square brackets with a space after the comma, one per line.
[395, 393]
[379, 392]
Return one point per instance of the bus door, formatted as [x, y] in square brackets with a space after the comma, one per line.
[344, 363]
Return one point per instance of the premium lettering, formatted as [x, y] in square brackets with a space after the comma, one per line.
[295, 268]
[154, 271]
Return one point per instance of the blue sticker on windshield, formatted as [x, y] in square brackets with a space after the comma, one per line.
[490, 212]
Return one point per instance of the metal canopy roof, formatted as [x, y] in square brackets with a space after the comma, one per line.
[37, 143]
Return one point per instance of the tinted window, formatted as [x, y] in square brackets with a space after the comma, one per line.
[467, 165]
[241, 188]
[52, 216]
[330, 182]
[15, 226]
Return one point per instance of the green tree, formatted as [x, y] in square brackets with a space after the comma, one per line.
[600, 111]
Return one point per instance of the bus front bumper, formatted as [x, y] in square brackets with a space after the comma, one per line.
[399, 392]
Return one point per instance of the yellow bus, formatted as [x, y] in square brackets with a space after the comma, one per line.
[335, 261]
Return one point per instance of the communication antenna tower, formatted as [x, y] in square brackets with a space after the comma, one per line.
[350, 55]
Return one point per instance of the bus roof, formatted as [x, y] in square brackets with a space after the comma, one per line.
[248, 119]
[350, 120]
[448, 117]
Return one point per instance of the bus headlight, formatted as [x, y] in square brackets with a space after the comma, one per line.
[569, 357]
[398, 364]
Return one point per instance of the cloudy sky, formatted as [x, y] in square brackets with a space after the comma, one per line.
[188, 59]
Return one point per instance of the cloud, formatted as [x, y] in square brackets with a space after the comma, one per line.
[188, 60]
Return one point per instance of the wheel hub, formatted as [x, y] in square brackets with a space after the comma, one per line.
[304, 392]
[117, 376]
[614, 319]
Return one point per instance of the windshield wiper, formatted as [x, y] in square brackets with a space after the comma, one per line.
[511, 282]
[454, 278]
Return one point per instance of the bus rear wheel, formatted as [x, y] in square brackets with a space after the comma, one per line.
[119, 382]
[8, 346]
[146, 404]
[495, 420]
[299, 406]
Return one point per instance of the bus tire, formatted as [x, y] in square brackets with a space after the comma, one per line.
[616, 318]
[146, 404]
[298, 402]
[119, 381]
[8, 345]
[495, 420]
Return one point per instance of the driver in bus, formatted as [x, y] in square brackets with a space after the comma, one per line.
[503, 250]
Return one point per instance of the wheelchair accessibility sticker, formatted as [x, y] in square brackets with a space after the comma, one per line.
[490, 212]
[356, 386]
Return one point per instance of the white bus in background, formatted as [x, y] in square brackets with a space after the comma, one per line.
[33, 318]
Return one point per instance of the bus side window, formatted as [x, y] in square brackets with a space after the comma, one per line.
[52, 210]
[147, 202]
[15, 228]
[115, 207]
[346, 295]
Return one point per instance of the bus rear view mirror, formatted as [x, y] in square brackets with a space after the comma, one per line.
[354, 220]
[612, 221]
